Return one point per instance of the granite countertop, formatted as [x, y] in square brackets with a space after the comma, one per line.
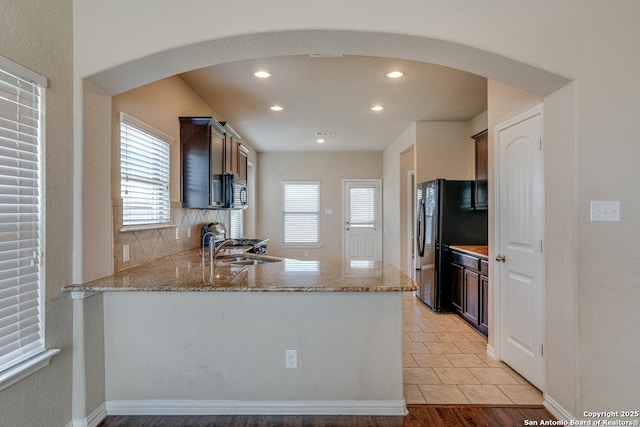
[475, 250]
[184, 272]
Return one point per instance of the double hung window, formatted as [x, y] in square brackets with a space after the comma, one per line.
[301, 213]
[21, 219]
[144, 174]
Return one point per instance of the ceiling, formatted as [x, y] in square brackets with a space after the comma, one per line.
[335, 94]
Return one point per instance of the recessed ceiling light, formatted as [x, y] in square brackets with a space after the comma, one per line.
[320, 141]
[394, 74]
[276, 108]
[262, 74]
[377, 108]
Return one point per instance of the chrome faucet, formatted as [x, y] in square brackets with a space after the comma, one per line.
[226, 242]
[211, 236]
[213, 249]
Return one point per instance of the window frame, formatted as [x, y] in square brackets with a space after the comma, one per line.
[150, 131]
[285, 243]
[26, 360]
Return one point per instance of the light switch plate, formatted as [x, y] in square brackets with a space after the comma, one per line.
[605, 210]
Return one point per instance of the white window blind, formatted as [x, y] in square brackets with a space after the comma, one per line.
[21, 217]
[362, 209]
[301, 212]
[235, 220]
[144, 173]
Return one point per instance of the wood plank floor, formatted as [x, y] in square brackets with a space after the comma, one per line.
[419, 416]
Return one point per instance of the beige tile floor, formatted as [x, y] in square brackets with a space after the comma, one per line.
[446, 361]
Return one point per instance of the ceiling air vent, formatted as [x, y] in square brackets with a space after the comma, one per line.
[326, 133]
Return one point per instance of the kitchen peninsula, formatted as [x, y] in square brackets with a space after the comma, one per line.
[183, 338]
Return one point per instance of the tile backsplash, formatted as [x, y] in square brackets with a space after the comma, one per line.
[147, 245]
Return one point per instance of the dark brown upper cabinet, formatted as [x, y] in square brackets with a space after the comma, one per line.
[201, 162]
[481, 193]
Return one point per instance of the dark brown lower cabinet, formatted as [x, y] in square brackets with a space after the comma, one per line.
[470, 289]
[471, 308]
[484, 297]
[457, 282]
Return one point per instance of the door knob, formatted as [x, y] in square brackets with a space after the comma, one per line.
[501, 258]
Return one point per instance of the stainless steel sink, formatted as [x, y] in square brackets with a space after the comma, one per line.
[246, 260]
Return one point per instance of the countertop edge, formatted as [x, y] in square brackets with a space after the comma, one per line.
[462, 248]
[80, 288]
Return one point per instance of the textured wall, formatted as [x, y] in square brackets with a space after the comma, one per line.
[38, 35]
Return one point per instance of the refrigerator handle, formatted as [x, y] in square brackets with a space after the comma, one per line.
[420, 231]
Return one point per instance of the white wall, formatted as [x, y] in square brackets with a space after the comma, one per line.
[328, 168]
[38, 35]
[391, 189]
[589, 41]
[406, 193]
[443, 150]
[230, 346]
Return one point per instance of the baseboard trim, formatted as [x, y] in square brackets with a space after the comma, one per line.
[232, 407]
[491, 352]
[556, 409]
[93, 419]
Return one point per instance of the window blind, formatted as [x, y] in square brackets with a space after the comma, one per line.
[235, 219]
[144, 173]
[21, 231]
[362, 208]
[301, 212]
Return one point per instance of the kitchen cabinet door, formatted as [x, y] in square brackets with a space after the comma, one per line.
[230, 146]
[457, 281]
[471, 309]
[243, 163]
[484, 298]
[482, 170]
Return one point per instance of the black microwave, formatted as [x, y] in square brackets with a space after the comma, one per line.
[235, 193]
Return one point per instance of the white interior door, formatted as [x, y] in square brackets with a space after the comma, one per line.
[362, 220]
[519, 265]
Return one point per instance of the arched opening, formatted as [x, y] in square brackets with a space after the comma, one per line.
[95, 209]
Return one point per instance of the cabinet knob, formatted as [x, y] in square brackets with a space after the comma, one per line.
[501, 258]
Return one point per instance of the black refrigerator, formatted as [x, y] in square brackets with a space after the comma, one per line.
[445, 216]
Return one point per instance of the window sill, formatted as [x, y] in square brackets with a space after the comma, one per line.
[26, 368]
[127, 228]
[301, 245]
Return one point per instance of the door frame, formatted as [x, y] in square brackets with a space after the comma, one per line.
[378, 182]
[411, 223]
[496, 329]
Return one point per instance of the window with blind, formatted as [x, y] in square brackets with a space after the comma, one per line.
[301, 212]
[235, 220]
[362, 209]
[144, 174]
[21, 215]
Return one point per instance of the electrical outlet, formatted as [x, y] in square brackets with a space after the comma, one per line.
[188, 232]
[177, 233]
[125, 253]
[306, 253]
[291, 359]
